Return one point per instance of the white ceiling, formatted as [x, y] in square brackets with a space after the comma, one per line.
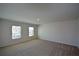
[45, 12]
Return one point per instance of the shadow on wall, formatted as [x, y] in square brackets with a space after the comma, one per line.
[5, 27]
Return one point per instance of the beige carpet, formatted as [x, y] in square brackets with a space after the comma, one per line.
[39, 48]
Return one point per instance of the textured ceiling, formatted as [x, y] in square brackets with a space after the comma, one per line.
[45, 12]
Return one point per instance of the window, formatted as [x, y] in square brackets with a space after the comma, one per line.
[16, 32]
[31, 31]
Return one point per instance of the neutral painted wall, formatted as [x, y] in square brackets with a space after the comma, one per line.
[6, 38]
[61, 31]
[78, 33]
[0, 33]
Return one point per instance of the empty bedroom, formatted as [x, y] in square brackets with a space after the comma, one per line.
[39, 29]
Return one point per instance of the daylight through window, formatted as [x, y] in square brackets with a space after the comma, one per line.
[16, 32]
[31, 31]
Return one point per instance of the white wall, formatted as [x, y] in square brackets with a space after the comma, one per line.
[6, 35]
[61, 31]
[0, 33]
[78, 33]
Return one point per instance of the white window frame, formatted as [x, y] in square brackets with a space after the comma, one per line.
[16, 35]
[31, 31]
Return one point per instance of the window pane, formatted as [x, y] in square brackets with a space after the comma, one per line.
[31, 31]
[16, 32]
